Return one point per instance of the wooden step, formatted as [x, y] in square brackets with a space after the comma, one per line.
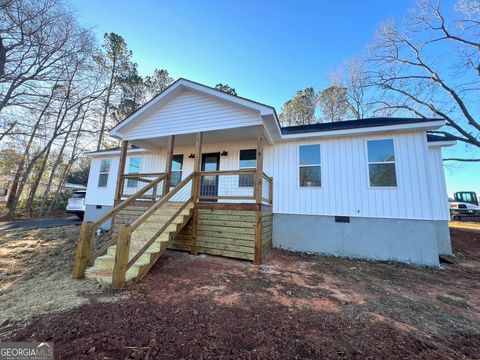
[102, 269]
[104, 277]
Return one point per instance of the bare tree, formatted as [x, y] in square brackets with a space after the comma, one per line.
[430, 66]
[353, 77]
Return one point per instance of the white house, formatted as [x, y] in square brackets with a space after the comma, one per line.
[372, 188]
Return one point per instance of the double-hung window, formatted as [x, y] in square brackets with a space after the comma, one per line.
[310, 172]
[103, 175]
[177, 166]
[381, 163]
[134, 168]
[248, 160]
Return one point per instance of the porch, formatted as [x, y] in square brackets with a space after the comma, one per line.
[208, 210]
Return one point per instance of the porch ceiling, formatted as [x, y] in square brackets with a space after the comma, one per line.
[209, 137]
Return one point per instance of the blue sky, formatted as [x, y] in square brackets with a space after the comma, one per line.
[266, 50]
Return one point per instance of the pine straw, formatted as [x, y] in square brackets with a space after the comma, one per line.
[35, 278]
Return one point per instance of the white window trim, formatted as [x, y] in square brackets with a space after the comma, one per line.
[243, 168]
[298, 168]
[394, 141]
[134, 172]
[181, 170]
[100, 172]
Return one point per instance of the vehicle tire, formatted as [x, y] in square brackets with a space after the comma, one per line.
[80, 215]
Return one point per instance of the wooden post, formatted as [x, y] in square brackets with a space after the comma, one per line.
[270, 192]
[168, 164]
[258, 236]
[121, 257]
[121, 170]
[259, 170]
[196, 189]
[84, 249]
[258, 196]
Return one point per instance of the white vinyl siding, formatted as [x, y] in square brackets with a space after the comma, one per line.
[345, 183]
[345, 187]
[190, 112]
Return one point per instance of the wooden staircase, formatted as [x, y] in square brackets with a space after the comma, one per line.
[131, 252]
[102, 269]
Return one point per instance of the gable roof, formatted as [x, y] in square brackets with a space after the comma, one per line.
[181, 83]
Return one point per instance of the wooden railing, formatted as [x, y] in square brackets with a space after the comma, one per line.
[129, 183]
[234, 185]
[122, 255]
[86, 243]
[267, 194]
[224, 185]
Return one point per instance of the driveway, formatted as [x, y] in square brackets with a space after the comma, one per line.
[39, 223]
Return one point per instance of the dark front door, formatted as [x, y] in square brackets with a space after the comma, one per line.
[209, 184]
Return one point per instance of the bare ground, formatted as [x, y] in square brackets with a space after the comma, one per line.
[292, 306]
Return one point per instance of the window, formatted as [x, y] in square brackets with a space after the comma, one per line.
[381, 163]
[248, 160]
[309, 166]
[134, 168]
[177, 165]
[103, 177]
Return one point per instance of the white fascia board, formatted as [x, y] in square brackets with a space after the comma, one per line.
[113, 152]
[430, 125]
[445, 143]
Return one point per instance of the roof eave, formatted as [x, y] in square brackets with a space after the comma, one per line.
[424, 125]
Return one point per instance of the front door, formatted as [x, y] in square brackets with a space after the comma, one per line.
[209, 184]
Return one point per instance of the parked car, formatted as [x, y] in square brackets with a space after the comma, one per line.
[464, 204]
[76, 203]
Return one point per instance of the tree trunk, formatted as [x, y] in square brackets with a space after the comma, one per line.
[107, 103]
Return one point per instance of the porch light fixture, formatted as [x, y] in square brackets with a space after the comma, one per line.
[224, 153]
[191, 156]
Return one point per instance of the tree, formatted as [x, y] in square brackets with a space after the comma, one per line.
[430, 67]
[225, 88]
[354, 78]
[333, 103]
[300, 109]
[158, 82]
[114, 60]
[133, 91]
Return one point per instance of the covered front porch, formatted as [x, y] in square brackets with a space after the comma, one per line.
[232, 194]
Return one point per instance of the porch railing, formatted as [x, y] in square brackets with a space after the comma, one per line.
[133, 182]
[90, 232]
[234, 186]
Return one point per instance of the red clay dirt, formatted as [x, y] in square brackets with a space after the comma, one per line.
[291, 307]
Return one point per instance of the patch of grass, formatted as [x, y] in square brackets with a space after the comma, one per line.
[472, 226]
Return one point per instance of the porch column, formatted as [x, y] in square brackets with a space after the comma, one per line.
[259, 170]
[168, 164]
[121, 170]
[197, 165]
[258, 196]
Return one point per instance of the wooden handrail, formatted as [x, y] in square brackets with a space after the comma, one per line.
[228, 172]
[127, 202]
[162, 201]
[157, 234]
[141, 174]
